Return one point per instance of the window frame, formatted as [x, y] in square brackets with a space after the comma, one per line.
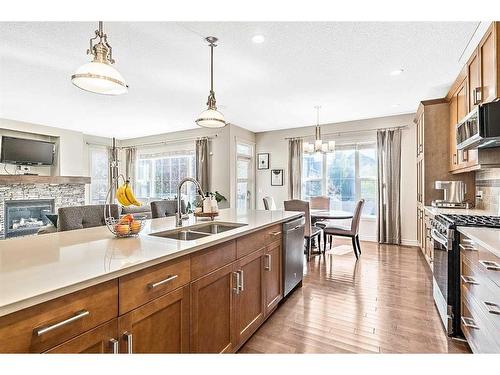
[357, 147]
[250, 180]
[91, 149]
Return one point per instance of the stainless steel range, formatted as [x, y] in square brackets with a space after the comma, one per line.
[446, 265]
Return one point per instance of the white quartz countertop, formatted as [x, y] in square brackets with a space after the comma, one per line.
[458, 211]
[489, 238]
[39, 268]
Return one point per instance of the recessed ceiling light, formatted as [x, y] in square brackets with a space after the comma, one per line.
[396, 72]
[257, 39]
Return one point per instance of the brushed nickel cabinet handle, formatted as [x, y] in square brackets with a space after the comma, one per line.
[114, 345]
[45, 329]
[242, 281]
[236, 288]
[469, 322]
[154, 285]
[467, 247]
[274, 234]
[490, 265]
[268, 267]
[477, 95]
[492, 307]
[130, 342]
[469, 280]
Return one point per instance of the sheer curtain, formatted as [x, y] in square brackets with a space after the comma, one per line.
[130, 160]
[389, 180]
[201, 148]
[295, 168]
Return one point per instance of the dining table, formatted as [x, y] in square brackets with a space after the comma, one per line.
[322, 214]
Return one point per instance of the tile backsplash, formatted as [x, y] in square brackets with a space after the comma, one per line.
[488, 182]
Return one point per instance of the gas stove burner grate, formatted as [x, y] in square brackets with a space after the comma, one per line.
[473, 220]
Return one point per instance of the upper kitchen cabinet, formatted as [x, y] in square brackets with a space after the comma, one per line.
[488, 53]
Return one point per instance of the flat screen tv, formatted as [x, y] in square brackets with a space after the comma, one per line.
[26, 151]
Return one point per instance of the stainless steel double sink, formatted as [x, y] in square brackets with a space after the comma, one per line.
[197, 231]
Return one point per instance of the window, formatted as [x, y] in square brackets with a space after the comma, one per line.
[346, 175]
[99, 172]
[244, 175]
[158, 174]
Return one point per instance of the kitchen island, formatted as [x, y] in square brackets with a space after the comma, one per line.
[87, 291]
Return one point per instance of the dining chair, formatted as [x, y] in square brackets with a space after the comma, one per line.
[310, 231]
[344, 231]
[320, 203]
[79, 217]
[165, 208]
[269, 204]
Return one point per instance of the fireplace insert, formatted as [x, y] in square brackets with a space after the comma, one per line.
[25, 217]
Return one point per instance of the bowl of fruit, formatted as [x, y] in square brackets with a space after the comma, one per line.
[126, 226]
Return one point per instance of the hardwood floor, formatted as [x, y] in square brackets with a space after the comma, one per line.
[379, 304]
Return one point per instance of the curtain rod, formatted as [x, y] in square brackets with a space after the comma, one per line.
[156, 143]
[349, 131]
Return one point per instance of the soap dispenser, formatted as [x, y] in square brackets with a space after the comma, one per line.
[207, 204]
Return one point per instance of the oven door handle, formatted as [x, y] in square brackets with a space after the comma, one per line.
[438, 237]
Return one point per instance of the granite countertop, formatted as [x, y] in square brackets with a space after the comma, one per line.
[489, 238]
[458, 211]
[39, 268]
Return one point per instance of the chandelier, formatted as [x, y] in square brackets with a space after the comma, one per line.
[98, 76]
[211, 117]
[318, 145]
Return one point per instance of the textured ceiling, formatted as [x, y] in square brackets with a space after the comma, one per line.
[344, 67]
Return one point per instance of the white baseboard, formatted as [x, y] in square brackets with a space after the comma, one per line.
[409, 242]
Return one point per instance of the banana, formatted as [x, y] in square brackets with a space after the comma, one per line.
[122, 197]
[129, 194]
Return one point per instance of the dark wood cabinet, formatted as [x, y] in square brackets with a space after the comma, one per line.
[249, 301]
[100, 340]
[160, 326]
[212, 311]
[273, 280]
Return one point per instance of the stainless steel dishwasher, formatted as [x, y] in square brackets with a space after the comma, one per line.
[293, 253]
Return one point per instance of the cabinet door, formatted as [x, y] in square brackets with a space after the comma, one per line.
[100, 340]
[273, 282]
[249, 306]
[212, 311]
[160, 326]
[474, 87]
[453, 132]
[462, 110]
[488, 66]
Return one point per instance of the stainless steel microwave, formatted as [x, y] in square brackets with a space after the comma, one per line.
[480, 128]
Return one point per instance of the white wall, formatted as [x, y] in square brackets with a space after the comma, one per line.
[276, 145]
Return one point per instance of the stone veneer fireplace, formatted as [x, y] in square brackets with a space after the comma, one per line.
[50, 192]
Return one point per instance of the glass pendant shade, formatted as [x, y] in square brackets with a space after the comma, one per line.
[99, 78]
[211, 118]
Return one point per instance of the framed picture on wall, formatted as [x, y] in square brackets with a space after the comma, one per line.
[276, 177]
[263, 161]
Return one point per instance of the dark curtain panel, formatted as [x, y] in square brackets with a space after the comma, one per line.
[202, 175]
[389, 180]
[295, 168]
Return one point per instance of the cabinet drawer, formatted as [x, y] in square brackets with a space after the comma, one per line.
[257, 240]
[44, 326]
[483, 261]
[206, 261]
[143, 286]
[477, 331]
[100, 340]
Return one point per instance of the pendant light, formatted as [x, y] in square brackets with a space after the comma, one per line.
[318, 145]
[98, 76]
[211, 117]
